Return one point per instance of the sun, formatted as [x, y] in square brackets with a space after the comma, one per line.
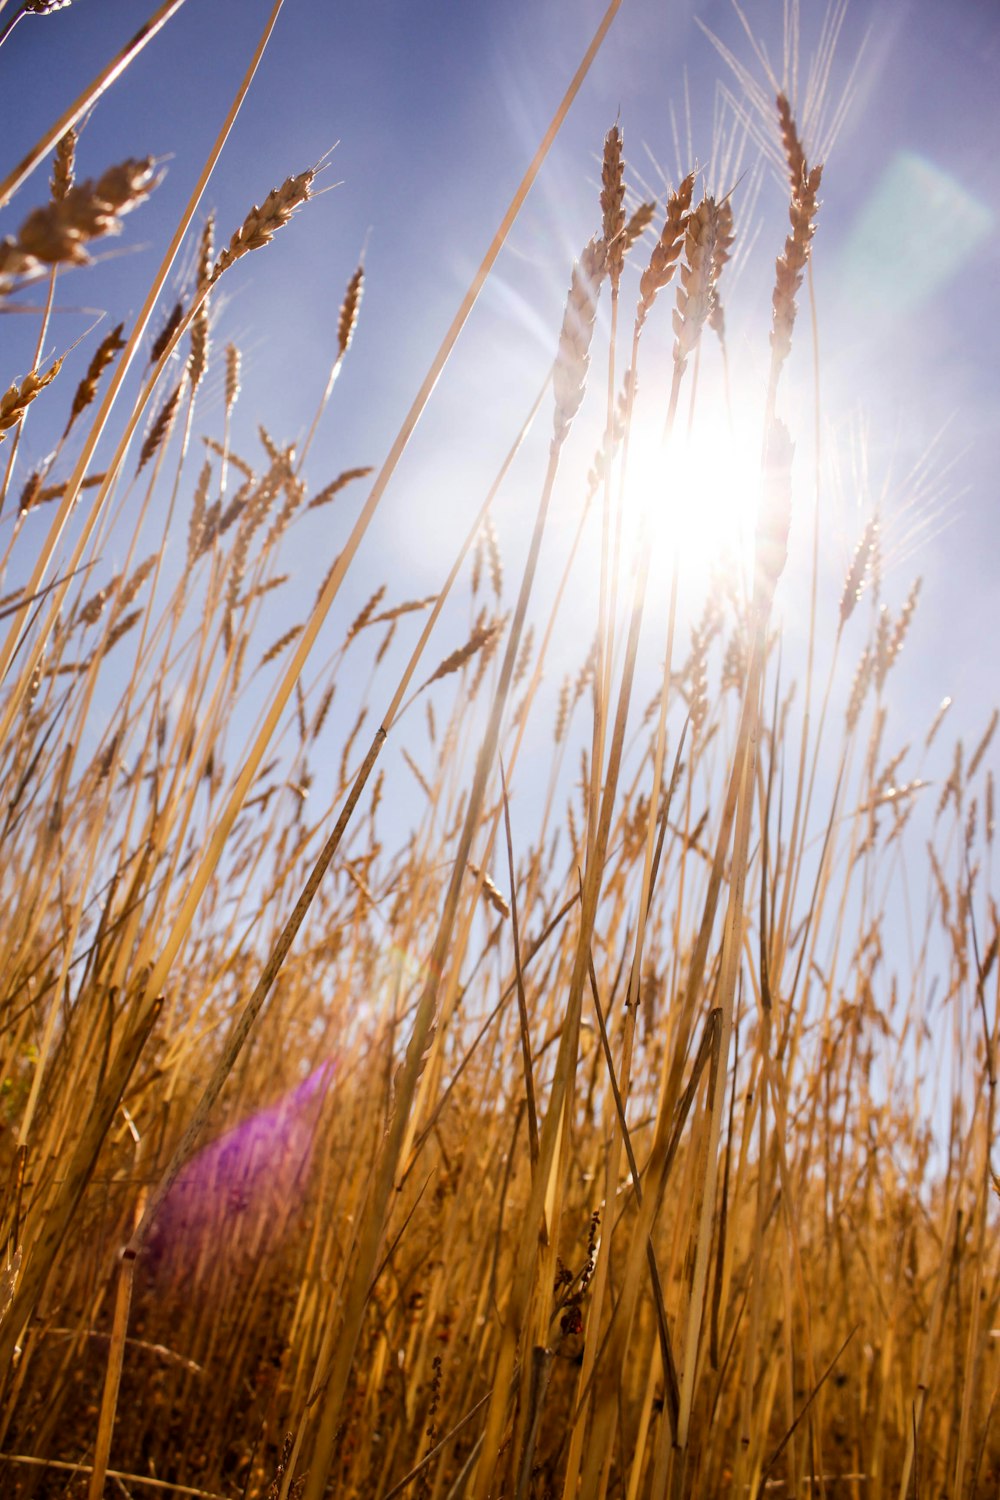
[691, 498]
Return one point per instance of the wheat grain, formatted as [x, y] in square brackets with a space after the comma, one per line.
[262, 224]
[19, 397]
[637, 224]
[347, 318]
[170, 326]
[111, 345]
[663, 260]
[482, 637]
[233, 363]
[59, 232]
[280, 645]
[613, 206]
[161, 427]
[976, 758]
[696, 292]
[334, 488]
[569, 374]
[858, 572]
[63, 165]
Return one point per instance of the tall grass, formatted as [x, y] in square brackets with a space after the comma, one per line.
[440, 1155]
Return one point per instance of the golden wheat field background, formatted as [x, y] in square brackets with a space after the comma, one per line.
[498, 960]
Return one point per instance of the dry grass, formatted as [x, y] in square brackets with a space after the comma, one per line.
[452, 1157]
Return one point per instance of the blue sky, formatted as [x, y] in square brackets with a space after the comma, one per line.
[435, 110]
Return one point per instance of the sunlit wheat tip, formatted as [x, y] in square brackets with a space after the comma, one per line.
[261, 224]
[613, 205]
[160, 429]
[121, 629]
[857, 573]
[280, 645]
[130, 591]
[19, 397]
[569, 375]
[364, 616]
[233, 362]
[637, 224]
[111, 345]
[663, 260]
[342, 480]
[490, 892]
[859, 688]
[724, 239]
[481, 637]
[976, 758]
[792, 146]
[62, 165]
[902, 626]
[59, 232]
[695, 295]
[493, 558]
[790, 265]
[166, 333]
[347, 319]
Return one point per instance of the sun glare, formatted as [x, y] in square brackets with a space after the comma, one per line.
[695, 496]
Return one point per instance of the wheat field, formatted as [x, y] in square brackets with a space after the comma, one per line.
[532, 1034]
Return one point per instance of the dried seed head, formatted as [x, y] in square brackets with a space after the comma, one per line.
[794, 154]
[160, 429]
[482, 637]
[857, 573]
[562, 713]
[31, 493]
[62, 166]
[19, 397]
[493, 558]
[166, 333]
[348, 317]
[261, 224]
[196, 527]
[791, 264]
[695, 295]
[976, 759]
[613, 205]
[198, 357]
[859, 688]
[233, 362]
[280, 645]
[569, 375]
[58, 233]
[724, 238]
[663, 261]
[638, 224]
[491, 895]
[342, 480]
[86, 391]
[901, 630]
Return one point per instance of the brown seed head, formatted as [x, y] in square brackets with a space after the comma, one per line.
[86, 391]
[663, 260]
[62, 166]
[349, 308]
[695, 295]
[613, 205]
[19, 397]
[261, 224]
[858, 571]
[637, 225]
[569, 375]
